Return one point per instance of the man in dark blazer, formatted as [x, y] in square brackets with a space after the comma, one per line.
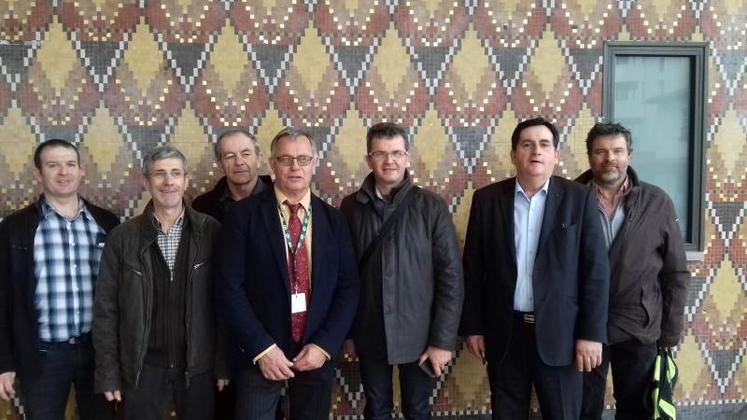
[288, 286]
[536, 281]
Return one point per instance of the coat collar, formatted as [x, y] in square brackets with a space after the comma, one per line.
[367, 191]
[148, 233]
[586, 177]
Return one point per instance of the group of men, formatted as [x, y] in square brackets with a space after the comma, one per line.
[257, 290]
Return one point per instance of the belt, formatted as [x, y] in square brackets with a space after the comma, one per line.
[525, 317]
[84, 338]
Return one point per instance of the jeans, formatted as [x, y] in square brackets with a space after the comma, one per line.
[61, 365]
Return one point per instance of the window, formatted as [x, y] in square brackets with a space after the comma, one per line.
[657, 91]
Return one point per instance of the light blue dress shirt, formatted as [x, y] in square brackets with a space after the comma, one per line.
[528, 215]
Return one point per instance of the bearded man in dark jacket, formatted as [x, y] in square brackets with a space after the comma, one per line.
[649, 276]
[411, 279]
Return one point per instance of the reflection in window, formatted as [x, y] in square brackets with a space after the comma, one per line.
[656, 109]
[657, 91]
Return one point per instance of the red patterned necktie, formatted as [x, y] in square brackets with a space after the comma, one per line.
[299, 280]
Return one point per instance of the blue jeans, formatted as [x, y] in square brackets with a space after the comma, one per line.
[61, 365]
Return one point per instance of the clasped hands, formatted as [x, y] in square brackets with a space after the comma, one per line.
[276, 367]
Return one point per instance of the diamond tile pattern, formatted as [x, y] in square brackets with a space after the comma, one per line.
[119, 78]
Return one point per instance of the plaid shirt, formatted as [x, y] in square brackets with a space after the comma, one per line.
[168, 241]
[66, 263]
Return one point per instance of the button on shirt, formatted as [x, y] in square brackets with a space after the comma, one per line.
[528, 215]
[66, 263]
[611, 212]
[168, 240]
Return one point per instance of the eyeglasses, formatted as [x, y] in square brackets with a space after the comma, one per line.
[382, 155]
[287, 160]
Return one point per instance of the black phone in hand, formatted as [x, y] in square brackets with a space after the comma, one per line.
[428, 368]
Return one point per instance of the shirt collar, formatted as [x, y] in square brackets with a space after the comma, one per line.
[48, 210]
[179, 220]
[305, 200]
[622, 191]
[225, 194]
[519, 189]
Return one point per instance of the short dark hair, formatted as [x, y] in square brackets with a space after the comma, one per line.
[53, 143]
[608, 129]
[385, 130]
[293, 133]
[231, 132]
[531, 123]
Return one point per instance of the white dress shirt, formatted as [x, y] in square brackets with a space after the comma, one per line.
[528, 215]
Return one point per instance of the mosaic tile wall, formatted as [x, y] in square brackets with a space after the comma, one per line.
[119, 78]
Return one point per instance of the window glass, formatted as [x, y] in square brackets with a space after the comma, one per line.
[653, 100]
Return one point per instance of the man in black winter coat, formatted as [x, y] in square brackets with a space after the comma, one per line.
[411, 279]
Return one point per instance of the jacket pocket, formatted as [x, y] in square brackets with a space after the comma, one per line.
[200, 266]
[133, 270]
[651, 303]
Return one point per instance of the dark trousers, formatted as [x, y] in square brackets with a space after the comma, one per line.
[416, 388]
[225, 402]
[159, 386]
[632, 365]
[309, 394]
[558, 387]
[45, 396]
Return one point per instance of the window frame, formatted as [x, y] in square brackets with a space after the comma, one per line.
[698, 52]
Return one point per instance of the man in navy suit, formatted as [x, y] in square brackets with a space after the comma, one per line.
[536, 279]
[288, 286]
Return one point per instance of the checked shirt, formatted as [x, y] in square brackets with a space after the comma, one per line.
[66, 263]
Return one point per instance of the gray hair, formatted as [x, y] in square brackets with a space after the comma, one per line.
[161, 153]
[294, 134]
[231, 132]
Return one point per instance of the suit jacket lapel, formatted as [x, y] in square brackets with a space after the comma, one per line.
[276, 236]
[318, 239]
[506, 205]
[320, 283]
[554, 197]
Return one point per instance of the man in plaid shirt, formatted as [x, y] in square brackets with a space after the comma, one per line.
[49, 261]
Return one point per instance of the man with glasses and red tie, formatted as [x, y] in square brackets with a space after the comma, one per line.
[411, 279]
[288, 287]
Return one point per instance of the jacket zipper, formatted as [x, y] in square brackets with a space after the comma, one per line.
[144, 345]
[195, 267]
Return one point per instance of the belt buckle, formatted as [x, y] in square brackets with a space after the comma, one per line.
[528, 318]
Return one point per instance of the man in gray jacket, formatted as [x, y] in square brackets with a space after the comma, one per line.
[154, 327]
[649, 277]
[411, 279]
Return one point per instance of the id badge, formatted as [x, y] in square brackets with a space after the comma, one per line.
[298, 303]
